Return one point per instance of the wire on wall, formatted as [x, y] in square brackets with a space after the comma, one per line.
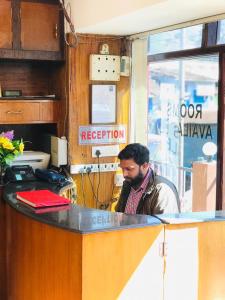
[92, 187]
[101, 39]
[67, 17]
[73, 42]
[99, 174]
[82, 187]
[98, 204]
[66, 101]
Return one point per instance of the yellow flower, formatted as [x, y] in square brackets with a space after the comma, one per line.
[8, 145]
[21, 147]
[3, 140]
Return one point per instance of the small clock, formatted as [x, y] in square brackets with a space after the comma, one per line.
[104, 49]
[11, 93]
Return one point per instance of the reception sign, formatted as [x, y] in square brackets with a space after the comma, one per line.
[89, 135]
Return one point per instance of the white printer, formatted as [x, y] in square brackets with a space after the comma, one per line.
[35, 159]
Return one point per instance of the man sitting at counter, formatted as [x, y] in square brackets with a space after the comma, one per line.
[144, 192]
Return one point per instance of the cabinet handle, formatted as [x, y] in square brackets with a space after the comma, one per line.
[13, 112]
[56, 31]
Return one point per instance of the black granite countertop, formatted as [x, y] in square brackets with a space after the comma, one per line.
[73, 217]
[86, 220]
[192, 217]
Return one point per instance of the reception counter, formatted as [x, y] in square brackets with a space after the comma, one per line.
[73, 217]
[73, 253]
[81, 253]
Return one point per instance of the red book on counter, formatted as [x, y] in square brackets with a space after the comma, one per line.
[43, 210]
[41, 198]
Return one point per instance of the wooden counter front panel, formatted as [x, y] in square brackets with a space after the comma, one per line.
[19, 112]
[195, 261]
[44, 262]
[5, 24]
[48, 263]
[123, 264]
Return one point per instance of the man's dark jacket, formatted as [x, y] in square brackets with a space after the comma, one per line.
[159, 197]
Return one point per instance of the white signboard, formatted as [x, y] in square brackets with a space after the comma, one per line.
[89, 135]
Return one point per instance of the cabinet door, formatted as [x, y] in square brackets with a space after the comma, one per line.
[19, 112]
[5, 24]
[40, 26]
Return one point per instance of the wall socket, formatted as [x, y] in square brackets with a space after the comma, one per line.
[106, 167]
[105, 151]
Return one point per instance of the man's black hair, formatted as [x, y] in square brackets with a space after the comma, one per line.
[139, 153]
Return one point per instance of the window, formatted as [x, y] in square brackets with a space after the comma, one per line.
[221, 33]
[175, 40]
[184, 110]
[182, 118]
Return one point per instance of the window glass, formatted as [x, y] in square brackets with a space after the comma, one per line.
[175, 40]
[221, 32]
[182, 120]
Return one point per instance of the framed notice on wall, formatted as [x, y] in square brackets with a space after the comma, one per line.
[103, 103]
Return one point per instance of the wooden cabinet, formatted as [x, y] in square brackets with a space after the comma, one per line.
[49, 111]
[31, 29]
[40, 28]
[27, 112]
[17, 112]
[34, 80]
[5, 24]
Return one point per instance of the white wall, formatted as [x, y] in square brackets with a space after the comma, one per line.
[126, 17]
[91, 12]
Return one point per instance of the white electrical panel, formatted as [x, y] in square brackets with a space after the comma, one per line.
[104, 67]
